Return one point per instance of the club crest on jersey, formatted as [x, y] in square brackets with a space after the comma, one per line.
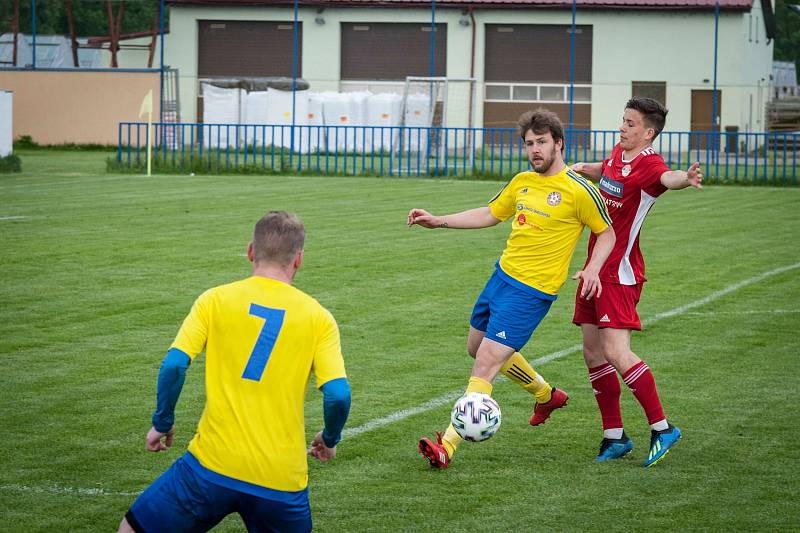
[521, 219]
[554, 198]
[626, 170]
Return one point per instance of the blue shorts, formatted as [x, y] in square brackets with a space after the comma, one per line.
[184, 499]
[508, 312]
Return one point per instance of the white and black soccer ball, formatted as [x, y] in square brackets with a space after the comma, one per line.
[475, 416]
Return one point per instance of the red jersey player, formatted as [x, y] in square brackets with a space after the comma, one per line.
[630, 180]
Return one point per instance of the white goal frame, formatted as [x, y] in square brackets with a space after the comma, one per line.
[438, 93]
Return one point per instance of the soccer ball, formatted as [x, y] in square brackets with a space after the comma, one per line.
[475, 416]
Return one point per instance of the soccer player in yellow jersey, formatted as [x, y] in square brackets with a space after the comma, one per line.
[262, 338]
[549, 208]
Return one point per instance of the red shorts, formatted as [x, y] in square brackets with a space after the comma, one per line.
[616, 307]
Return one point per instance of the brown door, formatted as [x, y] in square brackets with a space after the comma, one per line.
[536, 53]
[391, 51]
[701, 121]
[509, 59]
[236, 49]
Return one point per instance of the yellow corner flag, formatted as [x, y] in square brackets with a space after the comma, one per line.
[147, 107]
[147, 104]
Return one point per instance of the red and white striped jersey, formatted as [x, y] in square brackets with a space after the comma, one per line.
[630, 189]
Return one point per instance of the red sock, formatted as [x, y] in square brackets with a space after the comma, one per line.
[640, 380]
[605, 386]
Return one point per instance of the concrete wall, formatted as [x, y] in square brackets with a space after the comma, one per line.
[320, 49]
[57, 107]
[678, 49]
[672, 46]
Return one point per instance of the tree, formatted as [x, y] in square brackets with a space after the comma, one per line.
[90, 16]
[787, 40]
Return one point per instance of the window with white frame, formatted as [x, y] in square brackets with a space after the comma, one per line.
[545, 93]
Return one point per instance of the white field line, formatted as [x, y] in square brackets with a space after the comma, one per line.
[737, 313]
[444, 399]
[18, 217]
[720, 293]
[451, 396]
[55, 489]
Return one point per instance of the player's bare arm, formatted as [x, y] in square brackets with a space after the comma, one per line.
[480, 217]
[593, 171]
[591, 274]
[679, 179]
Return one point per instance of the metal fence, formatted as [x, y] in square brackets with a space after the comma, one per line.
[750, 158]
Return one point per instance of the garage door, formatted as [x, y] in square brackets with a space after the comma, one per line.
[528, 66]
[245, 49]
[390, 52]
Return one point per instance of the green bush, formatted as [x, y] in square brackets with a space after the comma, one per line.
[195, 166]
[26, 142]
[10, 163]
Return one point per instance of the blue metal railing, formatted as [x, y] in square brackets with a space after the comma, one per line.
[426, 151]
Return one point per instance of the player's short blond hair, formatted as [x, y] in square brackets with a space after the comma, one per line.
[277, 238]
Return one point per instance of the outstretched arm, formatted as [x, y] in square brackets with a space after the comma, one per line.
[170, 382]
[593, 171]
[678, 179]
[480, 217]
[591, 274]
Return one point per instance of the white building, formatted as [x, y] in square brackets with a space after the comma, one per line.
[518, 50]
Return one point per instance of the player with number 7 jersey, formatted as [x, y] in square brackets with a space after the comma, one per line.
[263, 338]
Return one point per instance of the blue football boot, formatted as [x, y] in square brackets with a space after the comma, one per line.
[660, 443]
[611, 449]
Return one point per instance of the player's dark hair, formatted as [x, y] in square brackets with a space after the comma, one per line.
[541, 121]
[655, 114]
[277, 238]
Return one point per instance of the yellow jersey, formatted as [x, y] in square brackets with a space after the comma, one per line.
[262, 338]
[549, 215]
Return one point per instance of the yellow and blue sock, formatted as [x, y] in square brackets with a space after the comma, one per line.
[519, 370]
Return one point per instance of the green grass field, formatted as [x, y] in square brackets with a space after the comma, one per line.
[99, 269]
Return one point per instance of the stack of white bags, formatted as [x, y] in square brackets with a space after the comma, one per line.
[353, 122]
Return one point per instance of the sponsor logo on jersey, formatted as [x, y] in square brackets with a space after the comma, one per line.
[605, 319]
[626, 170]
[554, 198]
[522, 220]
[501, 335]
[612, 187]
[523, 207]
[523, 191]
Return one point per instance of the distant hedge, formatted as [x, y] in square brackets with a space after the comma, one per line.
[10, 163]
